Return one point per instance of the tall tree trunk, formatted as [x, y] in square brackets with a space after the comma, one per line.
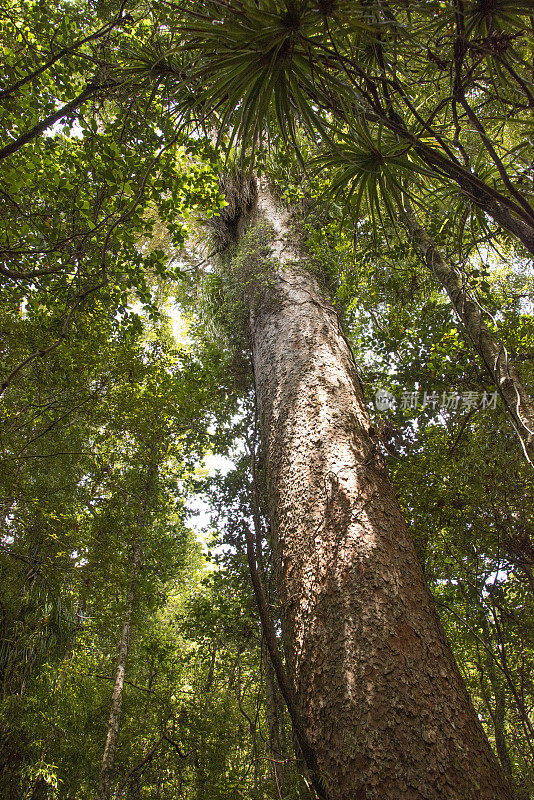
[108, 760]
[381, 699]
[492, 352]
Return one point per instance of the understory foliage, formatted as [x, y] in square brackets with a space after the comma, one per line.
[120, 123]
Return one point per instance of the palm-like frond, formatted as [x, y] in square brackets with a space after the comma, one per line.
[368, 168]
[259, 67]
[505, 16]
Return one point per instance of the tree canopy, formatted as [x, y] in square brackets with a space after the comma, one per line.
[398, 138]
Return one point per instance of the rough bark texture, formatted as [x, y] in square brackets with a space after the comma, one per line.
[377, 688]
[492, 352]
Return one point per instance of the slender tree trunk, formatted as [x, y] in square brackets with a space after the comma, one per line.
[499, 718]
[493, 354]
[274, 712]
[274, 702]
[381, 699]
[108, 759]
[104, 791]
[498, 206]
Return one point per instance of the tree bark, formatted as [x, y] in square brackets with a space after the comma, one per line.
[492, 352]
[381, 699]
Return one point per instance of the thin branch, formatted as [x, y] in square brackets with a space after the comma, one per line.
[90, 90]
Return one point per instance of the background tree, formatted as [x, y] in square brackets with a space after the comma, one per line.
[108, 114]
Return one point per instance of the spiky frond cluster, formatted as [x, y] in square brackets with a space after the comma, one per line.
[430, 96]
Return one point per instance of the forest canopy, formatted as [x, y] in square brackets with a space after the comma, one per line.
[266, 417]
